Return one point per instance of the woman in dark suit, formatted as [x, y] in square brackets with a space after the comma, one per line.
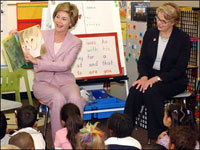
[162, 68]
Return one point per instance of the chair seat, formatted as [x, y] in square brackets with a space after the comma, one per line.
[183, 95]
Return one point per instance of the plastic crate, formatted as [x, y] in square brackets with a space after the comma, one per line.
[102, 101]
[87, 116]
[107, 103]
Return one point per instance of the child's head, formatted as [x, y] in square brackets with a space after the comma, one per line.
[71, 119]
[3, 125]
[182, 137]
[90, 137]
[26, 116]
[22, 140]
[177, 114]
[119, 125]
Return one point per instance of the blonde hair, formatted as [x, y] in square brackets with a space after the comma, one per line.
[90, 137]
[9, 146]
[70, 9]
[170, 11]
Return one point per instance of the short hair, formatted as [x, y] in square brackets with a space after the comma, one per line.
[22, 140]
[182, 137]
[170, 11]
[120, 124]
[3, 125]
[70, 9]
[26, 116]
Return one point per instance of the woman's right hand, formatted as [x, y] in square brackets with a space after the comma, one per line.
[140, 83]
[29, 57]
[14, 31]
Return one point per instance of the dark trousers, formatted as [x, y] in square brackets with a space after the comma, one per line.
[153, 99]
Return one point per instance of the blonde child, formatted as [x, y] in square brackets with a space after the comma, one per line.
[71, 120]
[90, 137]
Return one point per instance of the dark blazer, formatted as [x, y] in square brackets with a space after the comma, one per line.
[175, 58]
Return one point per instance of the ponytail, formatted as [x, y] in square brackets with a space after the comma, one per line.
[73, 125]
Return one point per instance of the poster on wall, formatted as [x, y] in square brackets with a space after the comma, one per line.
[124, 32]
[138, 11]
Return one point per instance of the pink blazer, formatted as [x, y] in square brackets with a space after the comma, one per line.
[58, 66]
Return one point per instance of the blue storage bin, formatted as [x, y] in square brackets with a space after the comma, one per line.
[107, 103]
[87, 116]
[100, 94]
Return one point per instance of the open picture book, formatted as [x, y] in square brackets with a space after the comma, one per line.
[14, 45]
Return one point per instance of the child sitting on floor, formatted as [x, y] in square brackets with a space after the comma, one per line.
[176, 115]
[182, 137]
[72, 122]
[22, 140]
[27, 122]
[90, 137]
[3, 130]
[119, 128]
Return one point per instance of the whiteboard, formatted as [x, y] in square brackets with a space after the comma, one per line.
[94, 17]
[99, 57]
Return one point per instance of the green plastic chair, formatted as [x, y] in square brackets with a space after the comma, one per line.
[10, 81]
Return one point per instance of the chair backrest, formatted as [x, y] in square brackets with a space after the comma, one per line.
[10, 81]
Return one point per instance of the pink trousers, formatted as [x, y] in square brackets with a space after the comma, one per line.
[55, 96]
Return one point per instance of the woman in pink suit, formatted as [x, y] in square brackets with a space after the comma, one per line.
[54, 83]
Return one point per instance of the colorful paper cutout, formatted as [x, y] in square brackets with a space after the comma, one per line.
[136, 36]
[134, 27]
[129, 26]
[124, 31]
[130, 35]
[141, 34]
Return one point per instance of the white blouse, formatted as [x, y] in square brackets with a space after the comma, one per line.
[57, 47]
[162, 43]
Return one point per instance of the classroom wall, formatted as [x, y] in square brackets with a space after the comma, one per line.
[180, 3]
[116, 89]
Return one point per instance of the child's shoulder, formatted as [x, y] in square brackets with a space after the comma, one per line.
[29, 130]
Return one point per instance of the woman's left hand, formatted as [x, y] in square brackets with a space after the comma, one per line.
[29, 57]
[149, 83]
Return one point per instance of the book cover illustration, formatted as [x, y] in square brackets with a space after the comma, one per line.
[31, 39]
[13, 53]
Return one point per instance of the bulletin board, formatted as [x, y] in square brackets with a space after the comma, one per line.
[99, 57]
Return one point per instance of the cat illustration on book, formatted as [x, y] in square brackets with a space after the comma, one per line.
[31, 39]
